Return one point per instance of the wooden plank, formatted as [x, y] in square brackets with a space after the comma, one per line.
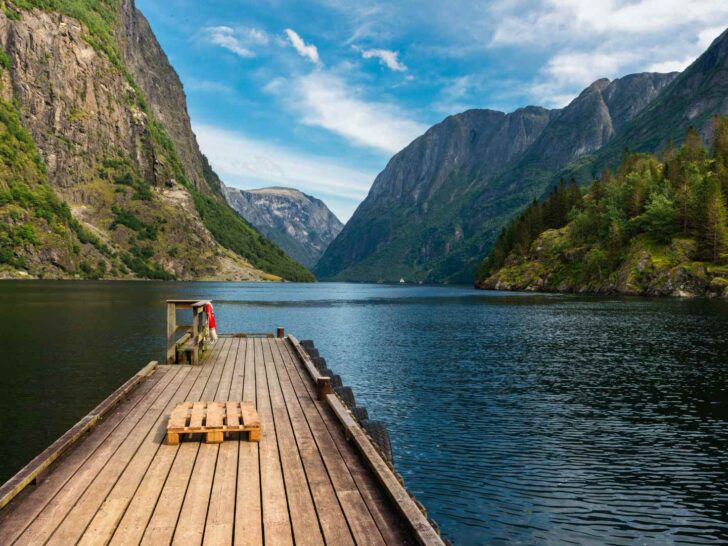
[248, 509]
[408, 509]
[362, 525]
[304, 519]
[16, 517]
[276, 521]
[197, 415]
[57, 509]
[178, 419]
[42, 461]
[97, 511]
[331, 517]
[215, 415]
[384, 513]
[249, 415]
[232, 413]
[220, 519]
[191, 525]
[160, 510]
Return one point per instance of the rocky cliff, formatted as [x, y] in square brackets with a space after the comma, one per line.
[103, 176]
[300, 224]
[436, 208]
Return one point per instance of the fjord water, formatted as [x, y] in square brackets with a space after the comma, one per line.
[519, 419]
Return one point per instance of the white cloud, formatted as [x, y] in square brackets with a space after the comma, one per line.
[308, 51]
[246, 162]
[325, 100]
[670, 65]
[388, 58]
[604, 38]
[572, 70]
[557, 21]
[238, 40]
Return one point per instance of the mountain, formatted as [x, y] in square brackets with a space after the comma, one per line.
[100, 173]
[409, 220]
[404, 229]
[301, 225]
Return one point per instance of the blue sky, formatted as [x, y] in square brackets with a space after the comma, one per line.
[318, 95]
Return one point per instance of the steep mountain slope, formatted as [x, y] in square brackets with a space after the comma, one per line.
[119, 187]
[693, 98]
[439, 204]
[301, 225]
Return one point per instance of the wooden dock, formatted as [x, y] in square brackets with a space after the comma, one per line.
[314, 478]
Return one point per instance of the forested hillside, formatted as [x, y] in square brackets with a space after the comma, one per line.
[655, 226]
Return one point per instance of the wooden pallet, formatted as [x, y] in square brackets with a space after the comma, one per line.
[214, 420]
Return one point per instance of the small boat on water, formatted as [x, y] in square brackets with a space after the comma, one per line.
[401, 281]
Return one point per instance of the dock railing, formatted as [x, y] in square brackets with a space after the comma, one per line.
[196, 335]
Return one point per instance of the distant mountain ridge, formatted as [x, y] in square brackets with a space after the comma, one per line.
[439, 204]
[302, 225]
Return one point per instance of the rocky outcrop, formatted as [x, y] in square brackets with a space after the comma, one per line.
[553, 265]
[300, 224]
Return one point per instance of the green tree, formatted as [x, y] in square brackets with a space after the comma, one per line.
[659, 220]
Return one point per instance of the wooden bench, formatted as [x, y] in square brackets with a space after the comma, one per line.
[214, 420]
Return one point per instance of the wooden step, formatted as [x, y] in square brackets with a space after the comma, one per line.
[214, 420]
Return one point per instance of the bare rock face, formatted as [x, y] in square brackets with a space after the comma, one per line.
[74, 104]
[300, 224]
[148, 65]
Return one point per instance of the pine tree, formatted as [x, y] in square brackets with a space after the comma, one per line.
[712, 235]
[692, 149]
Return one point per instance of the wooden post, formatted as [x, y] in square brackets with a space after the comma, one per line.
[281, 332]
[323, 387]
[195, 333]
[171, 331]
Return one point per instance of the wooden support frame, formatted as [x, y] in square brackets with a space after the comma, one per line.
[31, 472]
[197, 334]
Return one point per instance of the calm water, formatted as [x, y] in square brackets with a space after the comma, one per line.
[517, 419]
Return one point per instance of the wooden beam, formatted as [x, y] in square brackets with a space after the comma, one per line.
[171, 332]
[41, 462]
[405, 504]
[323, 387]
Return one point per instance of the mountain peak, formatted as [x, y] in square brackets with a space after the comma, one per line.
[300, 224]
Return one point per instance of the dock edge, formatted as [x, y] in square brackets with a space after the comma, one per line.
[30, 472]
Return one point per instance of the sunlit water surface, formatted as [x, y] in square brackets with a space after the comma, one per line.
[516, 419]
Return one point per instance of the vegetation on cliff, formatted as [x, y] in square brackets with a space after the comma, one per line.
[655, 226]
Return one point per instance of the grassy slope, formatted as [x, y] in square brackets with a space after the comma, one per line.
[230, 230]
